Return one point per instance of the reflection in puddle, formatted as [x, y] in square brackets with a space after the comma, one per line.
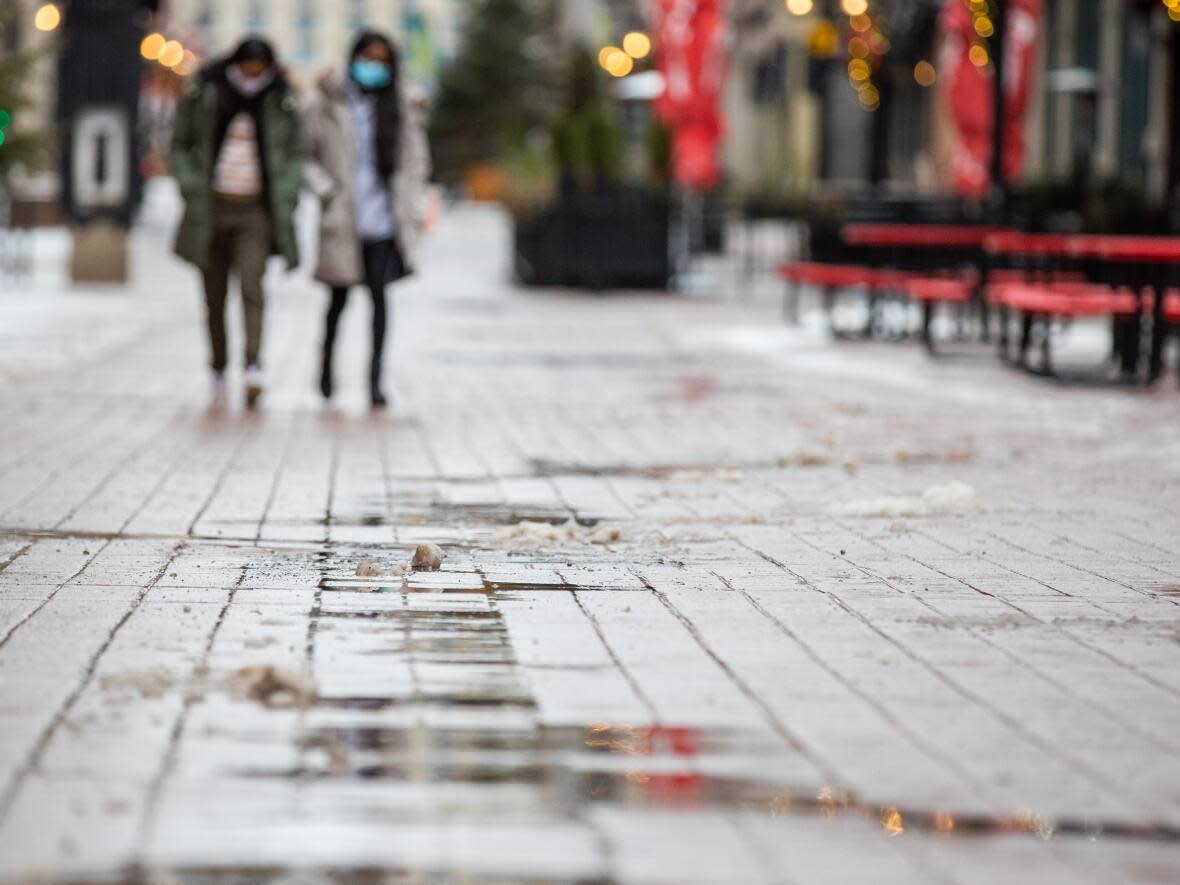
[313, 876]
[637, 767]
[457, 711]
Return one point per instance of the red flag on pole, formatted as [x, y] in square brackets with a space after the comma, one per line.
[691, 43]
[967, 84]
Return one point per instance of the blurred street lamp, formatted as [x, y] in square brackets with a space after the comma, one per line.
[619, 63]
[823, 40]
[924, 74]
[171, 54]
[47, 18]
[800, 7]
[152, 46]
[637, 45]
[188, 64]
[854, 7]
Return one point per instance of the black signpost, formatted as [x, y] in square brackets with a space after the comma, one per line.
[999, 46]
[98, 100]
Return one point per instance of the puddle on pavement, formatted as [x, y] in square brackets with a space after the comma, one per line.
[564, 360]
[314, 876]
[457, 710]
[686, 471]
[479, 571]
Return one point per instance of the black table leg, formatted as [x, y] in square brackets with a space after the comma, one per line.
[1005, 351]
[1026, 329]
[927, 322]
[1128, 344]
[1158, 335]
[1047, 346]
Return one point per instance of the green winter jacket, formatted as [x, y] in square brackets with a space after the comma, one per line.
[193, 136]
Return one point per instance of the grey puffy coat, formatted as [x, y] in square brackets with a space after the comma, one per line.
[329, 152]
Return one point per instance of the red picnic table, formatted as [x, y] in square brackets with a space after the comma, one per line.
[944, 260]
[917, 236]
[1142, 266]
[1141, 250]
[1102, 247]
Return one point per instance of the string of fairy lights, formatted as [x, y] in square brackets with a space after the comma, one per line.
[170, 54]
[860, 30]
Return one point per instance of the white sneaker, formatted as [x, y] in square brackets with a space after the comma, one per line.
[254, 384]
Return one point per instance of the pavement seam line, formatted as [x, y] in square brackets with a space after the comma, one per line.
[1013, 656]
[137, 451]
[1096, 777]
[640, 694]
[9, 793]
[780, 728]
[1085, 571]
[1130, 668]
[932, 751]
[247, 434]
[12, 630]
[146, 828]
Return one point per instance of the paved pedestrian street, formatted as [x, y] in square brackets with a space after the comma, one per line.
[722, 601]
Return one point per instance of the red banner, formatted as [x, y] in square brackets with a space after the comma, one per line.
[691, 38]
[968, 88]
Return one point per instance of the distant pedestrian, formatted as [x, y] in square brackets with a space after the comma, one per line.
[367, 160]
[236, 159]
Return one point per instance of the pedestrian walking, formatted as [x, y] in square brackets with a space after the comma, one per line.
[367, 160]
[236, 160]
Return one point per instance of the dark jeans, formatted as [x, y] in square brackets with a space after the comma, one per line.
[241, 240]
[382, 265]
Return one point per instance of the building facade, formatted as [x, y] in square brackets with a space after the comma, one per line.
[1105, 101]
[313, 35]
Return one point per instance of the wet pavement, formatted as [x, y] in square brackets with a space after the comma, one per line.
[722, 602]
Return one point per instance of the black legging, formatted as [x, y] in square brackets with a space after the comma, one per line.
[382, 264]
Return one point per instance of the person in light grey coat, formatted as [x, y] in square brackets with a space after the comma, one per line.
[367, 160]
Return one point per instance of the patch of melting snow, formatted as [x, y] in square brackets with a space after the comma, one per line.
[606, 535]
[272, 686]
[951, 497]
[756, 339]
[811, 457]
[529, 534]
[370, 569]
[150, 682]
[695, 476]
[268, 685]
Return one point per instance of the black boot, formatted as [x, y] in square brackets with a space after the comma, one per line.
[376, 397]
[326, 373]
[339, 297]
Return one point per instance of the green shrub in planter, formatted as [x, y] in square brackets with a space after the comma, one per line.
[587, 144]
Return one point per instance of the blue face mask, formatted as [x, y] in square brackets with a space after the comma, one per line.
[371, 74]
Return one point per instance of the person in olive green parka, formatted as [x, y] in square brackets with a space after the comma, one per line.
[235, 156]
